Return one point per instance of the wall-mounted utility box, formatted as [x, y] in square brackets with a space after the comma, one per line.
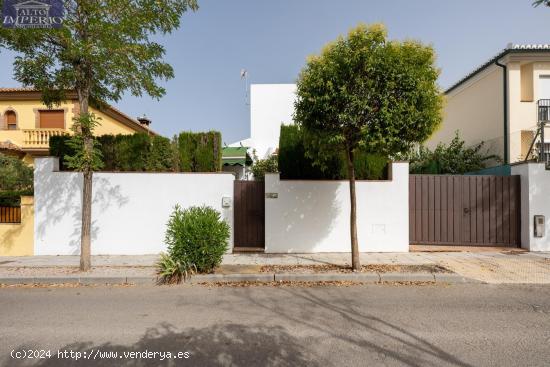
[226, 202]
[539, 226]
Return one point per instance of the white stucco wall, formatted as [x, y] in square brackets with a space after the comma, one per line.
[535, 200]
[270, 106]
[129, 210]
[313, 216]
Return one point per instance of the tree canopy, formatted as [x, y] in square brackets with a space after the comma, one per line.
[104, 44]
[366, 92]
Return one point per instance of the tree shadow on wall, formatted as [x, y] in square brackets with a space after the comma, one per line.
[218, 345]
[58, 195]
[308, 215]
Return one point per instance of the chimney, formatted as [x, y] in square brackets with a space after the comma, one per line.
[144, 120]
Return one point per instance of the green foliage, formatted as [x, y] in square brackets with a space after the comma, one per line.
[172, 270]
[103, 49]
[16, 179]
[541, 2]
[200, 152]
[83, 158]
[295, 163]
[161, 155]
[197, 237]
[367, 92]
[137, 152]
[454, 158]
[368, 166]
[262, 166]
[132, 152]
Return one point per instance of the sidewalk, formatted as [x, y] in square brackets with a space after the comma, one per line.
[499, 267]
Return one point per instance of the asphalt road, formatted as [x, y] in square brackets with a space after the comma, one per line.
[461, 325]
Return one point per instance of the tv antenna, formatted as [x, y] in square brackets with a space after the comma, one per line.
[244, 76]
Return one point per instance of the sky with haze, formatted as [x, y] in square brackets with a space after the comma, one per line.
[272, 39]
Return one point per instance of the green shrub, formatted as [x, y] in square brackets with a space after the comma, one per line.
[454, 158]
[262, 166]
[16, 179]
[368, 166]
[295, 164]
[197, 237]
[172, 270]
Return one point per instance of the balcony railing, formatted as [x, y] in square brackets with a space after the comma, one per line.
[40, 138]
[544, 110]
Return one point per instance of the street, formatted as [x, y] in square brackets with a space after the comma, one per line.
[390, 325]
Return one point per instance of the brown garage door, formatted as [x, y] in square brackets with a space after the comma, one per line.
[464, 210]
[52, 119]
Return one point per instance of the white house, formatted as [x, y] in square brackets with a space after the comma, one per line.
[270, 106]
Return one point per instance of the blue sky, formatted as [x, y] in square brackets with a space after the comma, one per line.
[271, 39]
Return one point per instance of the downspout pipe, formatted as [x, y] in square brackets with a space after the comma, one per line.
[505, 103]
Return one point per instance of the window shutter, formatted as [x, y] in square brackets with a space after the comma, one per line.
[52, 119]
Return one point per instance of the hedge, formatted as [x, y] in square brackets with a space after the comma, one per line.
[200, 152]
[294, 164]
[190, 152]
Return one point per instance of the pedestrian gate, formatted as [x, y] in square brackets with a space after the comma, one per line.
[249, 214]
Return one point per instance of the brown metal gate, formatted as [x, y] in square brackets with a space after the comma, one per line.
[464, 210]
[249, 214]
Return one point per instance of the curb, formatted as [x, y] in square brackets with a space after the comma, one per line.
[449, 278]
[209, 278]
[363, 278]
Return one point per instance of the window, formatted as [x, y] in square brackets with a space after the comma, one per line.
[52, 119]
[544, 87]
[11, 120]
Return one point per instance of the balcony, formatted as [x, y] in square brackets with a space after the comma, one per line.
[544, 110]
[39, 139]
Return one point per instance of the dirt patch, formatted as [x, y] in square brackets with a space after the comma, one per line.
[72, 270]
[283, 283]
[311, 284]
[65, 285]
[371, 268]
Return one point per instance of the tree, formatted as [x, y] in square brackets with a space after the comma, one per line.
[541, 2]
[102, 50]
[365, 92]
[17, 180]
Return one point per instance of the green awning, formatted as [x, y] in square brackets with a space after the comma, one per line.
[236, 156]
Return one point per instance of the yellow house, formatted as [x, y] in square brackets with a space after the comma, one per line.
[26, 124]
[501, 103]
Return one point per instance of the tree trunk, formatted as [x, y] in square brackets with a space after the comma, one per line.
[355, 262]
[85, 236]
[85, 239]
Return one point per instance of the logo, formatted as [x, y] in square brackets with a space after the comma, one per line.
[32, 13]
